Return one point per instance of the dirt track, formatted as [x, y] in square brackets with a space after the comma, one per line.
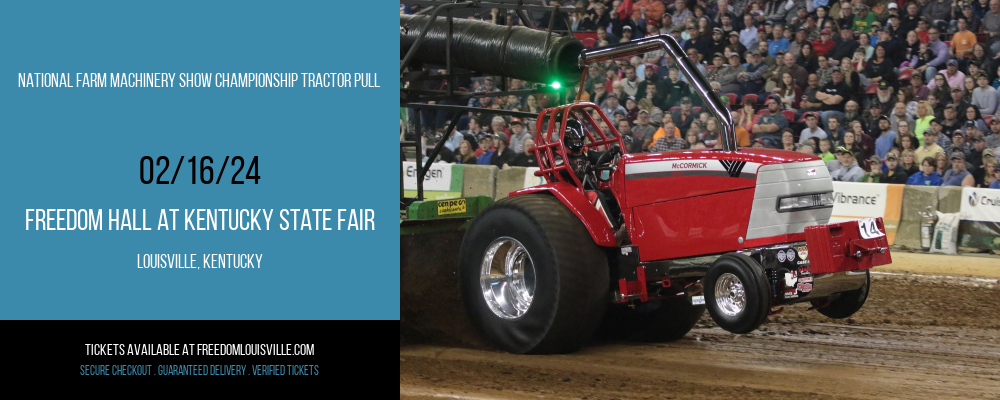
[926, 334]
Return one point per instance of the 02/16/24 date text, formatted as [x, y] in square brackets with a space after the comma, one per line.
[201, 170]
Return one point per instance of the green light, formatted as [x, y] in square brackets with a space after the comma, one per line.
[556, 85]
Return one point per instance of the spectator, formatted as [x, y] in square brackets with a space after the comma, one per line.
[486, 145]
[849, 171]
[666, 127]
[954, 77]
[851, 114]
[898, 115]
[612, 105]
[808, 59]
[909, 163]
[972, 114]
[727, 77]
[995, 183]
[850, 144]
[928, 175]
[978, 149]
[920, 91]
[910, 20]
[642, 131]
[473, 136]
[874, 174]
[736, 45]
[958, 145]
[824, 150]
[742, 135]
[788, 91]
[958, 175]
[940, 50]
[845, 48]
[650, 79]
[923, 121]
[938, 11]
[851, 77]
[712, 133]
[991, 25]
[993, 135]
[836, 133]
[752, 79]
[824, 44]
[748, 36]
[942, 162]
[951, 121]
[895, 173]
[963, 40]
[502, 157]
[719, 41]
[930, 147]
[795, 46]
[465, 154]
[674, 89]
[770, 123]
[886, 137]
[518, 135]
[808, 102]
[779, 42]
[683, 116]
[824, 70]
[881, 68]
[630, 85]
[655, 113]
[833, 96]
[746, 115]
[812, 129]
[985, 97]
[799, 74]
[787, 140]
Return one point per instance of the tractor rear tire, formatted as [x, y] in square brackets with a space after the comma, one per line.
[737, 293]
[532, 278]
[847, 303]
[654, 321]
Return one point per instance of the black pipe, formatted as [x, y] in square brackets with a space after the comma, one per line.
[520, 53]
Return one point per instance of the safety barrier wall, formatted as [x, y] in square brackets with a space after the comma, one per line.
[980, 226]
[898, 205]
[449, 181]
[852, 201]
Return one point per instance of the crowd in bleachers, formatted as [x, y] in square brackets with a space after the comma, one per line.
[882, 91]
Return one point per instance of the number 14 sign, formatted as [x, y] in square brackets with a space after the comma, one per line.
[869, 229]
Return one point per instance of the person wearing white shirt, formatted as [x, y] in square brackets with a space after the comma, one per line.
[812, 129]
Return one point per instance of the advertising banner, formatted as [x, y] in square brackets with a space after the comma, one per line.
[980, 226]
[442, 181]
[853, 201]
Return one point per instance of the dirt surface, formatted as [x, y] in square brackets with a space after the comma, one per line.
[931, 332]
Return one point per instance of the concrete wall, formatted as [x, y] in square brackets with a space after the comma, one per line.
[509, 180]
[915, 199]
[479, 180]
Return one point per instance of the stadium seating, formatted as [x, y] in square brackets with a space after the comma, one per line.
[872, 89]
[732, 99]
[789, 115]
[905, 74]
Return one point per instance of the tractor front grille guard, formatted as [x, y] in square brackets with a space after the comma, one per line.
[549, 147]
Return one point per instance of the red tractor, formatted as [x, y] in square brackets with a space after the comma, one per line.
[646, 242]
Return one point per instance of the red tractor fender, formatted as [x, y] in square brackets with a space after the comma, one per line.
[576, 201]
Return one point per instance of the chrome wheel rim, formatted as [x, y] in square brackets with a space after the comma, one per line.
[729, 294]
[507, 278]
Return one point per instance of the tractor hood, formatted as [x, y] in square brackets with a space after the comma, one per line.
[658, 177]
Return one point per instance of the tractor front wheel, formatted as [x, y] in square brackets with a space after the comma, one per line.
[736, 293]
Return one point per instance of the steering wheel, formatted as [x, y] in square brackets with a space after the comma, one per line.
[607, 162]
